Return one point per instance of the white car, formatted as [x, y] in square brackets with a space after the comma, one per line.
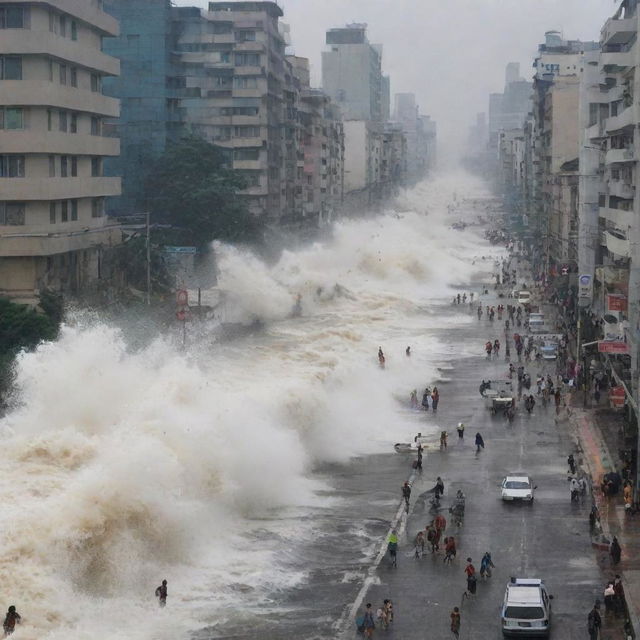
[526, 610]
[518, 488]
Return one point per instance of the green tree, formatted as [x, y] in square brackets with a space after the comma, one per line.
[191, 187]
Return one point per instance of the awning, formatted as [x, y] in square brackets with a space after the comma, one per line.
[620, 382]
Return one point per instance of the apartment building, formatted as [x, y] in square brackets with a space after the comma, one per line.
[53, 227]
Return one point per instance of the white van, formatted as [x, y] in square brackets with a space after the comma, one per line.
[526, 610]
[524, 297]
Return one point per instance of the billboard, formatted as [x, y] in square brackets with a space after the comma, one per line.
[616, 302]
[613, 346]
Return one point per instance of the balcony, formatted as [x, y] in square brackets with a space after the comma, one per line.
[45, 43]
[88, 11]
[31, 141]
[619, 218]
[250, 165]
[25, 189]
[618, 246]
[619, 31]
[595, 131]
[621, 189]
[28, 93]
[14, 244]
[619, 155]
[621, 121]
[611, 60]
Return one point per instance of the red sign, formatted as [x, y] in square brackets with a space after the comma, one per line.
[616, 396]
[183, 315]
[606, 346]
[182, 297]
[616, 302]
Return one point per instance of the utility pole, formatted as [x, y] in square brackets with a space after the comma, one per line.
[147, 214]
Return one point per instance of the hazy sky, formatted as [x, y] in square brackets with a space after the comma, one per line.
[450, 53]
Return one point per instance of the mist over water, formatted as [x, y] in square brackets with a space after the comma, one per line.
[122, 467]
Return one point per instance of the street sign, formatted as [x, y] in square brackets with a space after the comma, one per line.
[182, 297]
[616, 302]
[617, 397]
[613, 346]
[169, 249]
[585, 290]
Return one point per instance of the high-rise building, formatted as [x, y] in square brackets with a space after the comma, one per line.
[352, 73]
[53, 145]
[146, 88]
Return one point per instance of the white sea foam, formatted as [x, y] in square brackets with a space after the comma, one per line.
[121, 468]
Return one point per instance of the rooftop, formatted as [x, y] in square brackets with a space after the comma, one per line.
[271, 8]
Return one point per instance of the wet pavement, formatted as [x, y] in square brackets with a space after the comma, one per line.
[549, 539]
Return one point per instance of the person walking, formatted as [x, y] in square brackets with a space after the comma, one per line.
[615, 551]
[486, 564]
[425, 399]
[419, 544]
[455, 622]
[392, 546]
[619, 601]
[479, 442]
[435, 398]
[440, 523]
[594, 621]
[470, 572]
[460, 430]
[10, 620]
[368, 623]
[450, 550]
[406, 493]
[161, 594]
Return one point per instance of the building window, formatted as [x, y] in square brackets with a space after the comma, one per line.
[12, 214]
[95, 126]
[64, 211]
[74, 30]
[63, 74]
[73, 124]
[52, 213]
[247, 60]
[62, 121]
[225, 56]
[95, 82]
[52, 166]
[245, 82]
[247, 153]
[245, 35]
[49, 120]
[74, 210]
[74, 76]
[50, 70]
[97, 207]
[10, 67]
[96, 167]
[11, 166]
[64, 166]
[247, 132]
[74, 166]
[11, 118]
[12, 18]
[63, 26]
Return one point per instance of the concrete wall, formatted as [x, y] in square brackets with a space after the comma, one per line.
[356, 147]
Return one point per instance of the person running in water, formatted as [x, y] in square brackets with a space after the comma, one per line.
[10, 620]
[161, 594]
[455, 622]
[488, 347]
[496, 347]
[381, 359]
[479, 442]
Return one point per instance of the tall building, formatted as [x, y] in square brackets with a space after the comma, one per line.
[53, 228]
[222, 74]
[352, 74]
[146, 88]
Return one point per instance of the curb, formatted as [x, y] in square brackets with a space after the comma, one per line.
[398, 523]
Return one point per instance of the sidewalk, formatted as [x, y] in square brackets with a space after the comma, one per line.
[594, 431]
